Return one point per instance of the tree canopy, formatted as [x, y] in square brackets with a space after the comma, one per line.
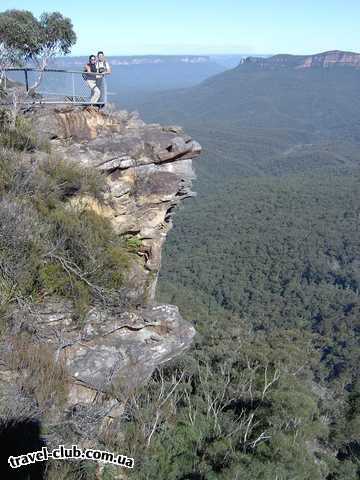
[24, 37]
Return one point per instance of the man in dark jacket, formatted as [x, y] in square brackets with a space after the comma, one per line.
[92, 80]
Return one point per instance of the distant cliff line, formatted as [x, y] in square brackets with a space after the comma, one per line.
[323, 60]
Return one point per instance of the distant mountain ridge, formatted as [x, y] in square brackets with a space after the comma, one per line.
[261, 121]
[140, 59]
[133, 75]
[324, 60]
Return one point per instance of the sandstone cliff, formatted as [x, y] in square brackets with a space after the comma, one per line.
[323, 60]
[148, 172]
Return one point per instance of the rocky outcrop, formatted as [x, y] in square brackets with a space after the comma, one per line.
[148, 171]
[321, 60]
[112, 346]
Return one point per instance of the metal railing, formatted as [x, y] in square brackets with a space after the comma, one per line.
[56, 86]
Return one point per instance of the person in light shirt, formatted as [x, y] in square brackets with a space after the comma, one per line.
[103, 67]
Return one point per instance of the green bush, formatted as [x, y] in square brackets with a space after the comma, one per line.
[53, 278]
[56, 180]
[7, 169]
[22, 137]
[52, 245]
[134, 243]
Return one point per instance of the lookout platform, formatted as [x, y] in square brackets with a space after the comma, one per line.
[57, 87]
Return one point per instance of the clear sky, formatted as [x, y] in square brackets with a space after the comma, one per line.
[206, 26]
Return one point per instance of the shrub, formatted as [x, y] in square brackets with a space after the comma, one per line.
[22, 234]
[22, 137]
[56, 180]
[40, 376]
[134, 243]
[9, 163]
[52, 246]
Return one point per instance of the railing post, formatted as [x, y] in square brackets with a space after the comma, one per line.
[26, 80]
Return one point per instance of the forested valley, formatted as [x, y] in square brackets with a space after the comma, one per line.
[265, 261]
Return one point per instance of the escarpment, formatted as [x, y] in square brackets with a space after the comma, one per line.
[335, 58]
[148, 171]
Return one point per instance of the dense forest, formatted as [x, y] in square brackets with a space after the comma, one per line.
[265, 261]
[269, 271]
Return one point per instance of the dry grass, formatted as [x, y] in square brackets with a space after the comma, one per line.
[39, 374]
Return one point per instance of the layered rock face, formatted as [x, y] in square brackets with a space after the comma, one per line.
[324, 60]
[148, 170]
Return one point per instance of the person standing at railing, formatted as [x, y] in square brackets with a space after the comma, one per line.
[103, 67]
[91, 79]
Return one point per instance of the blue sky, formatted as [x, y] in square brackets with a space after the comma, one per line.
[206, 26]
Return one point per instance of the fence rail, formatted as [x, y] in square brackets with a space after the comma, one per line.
[56, 86]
